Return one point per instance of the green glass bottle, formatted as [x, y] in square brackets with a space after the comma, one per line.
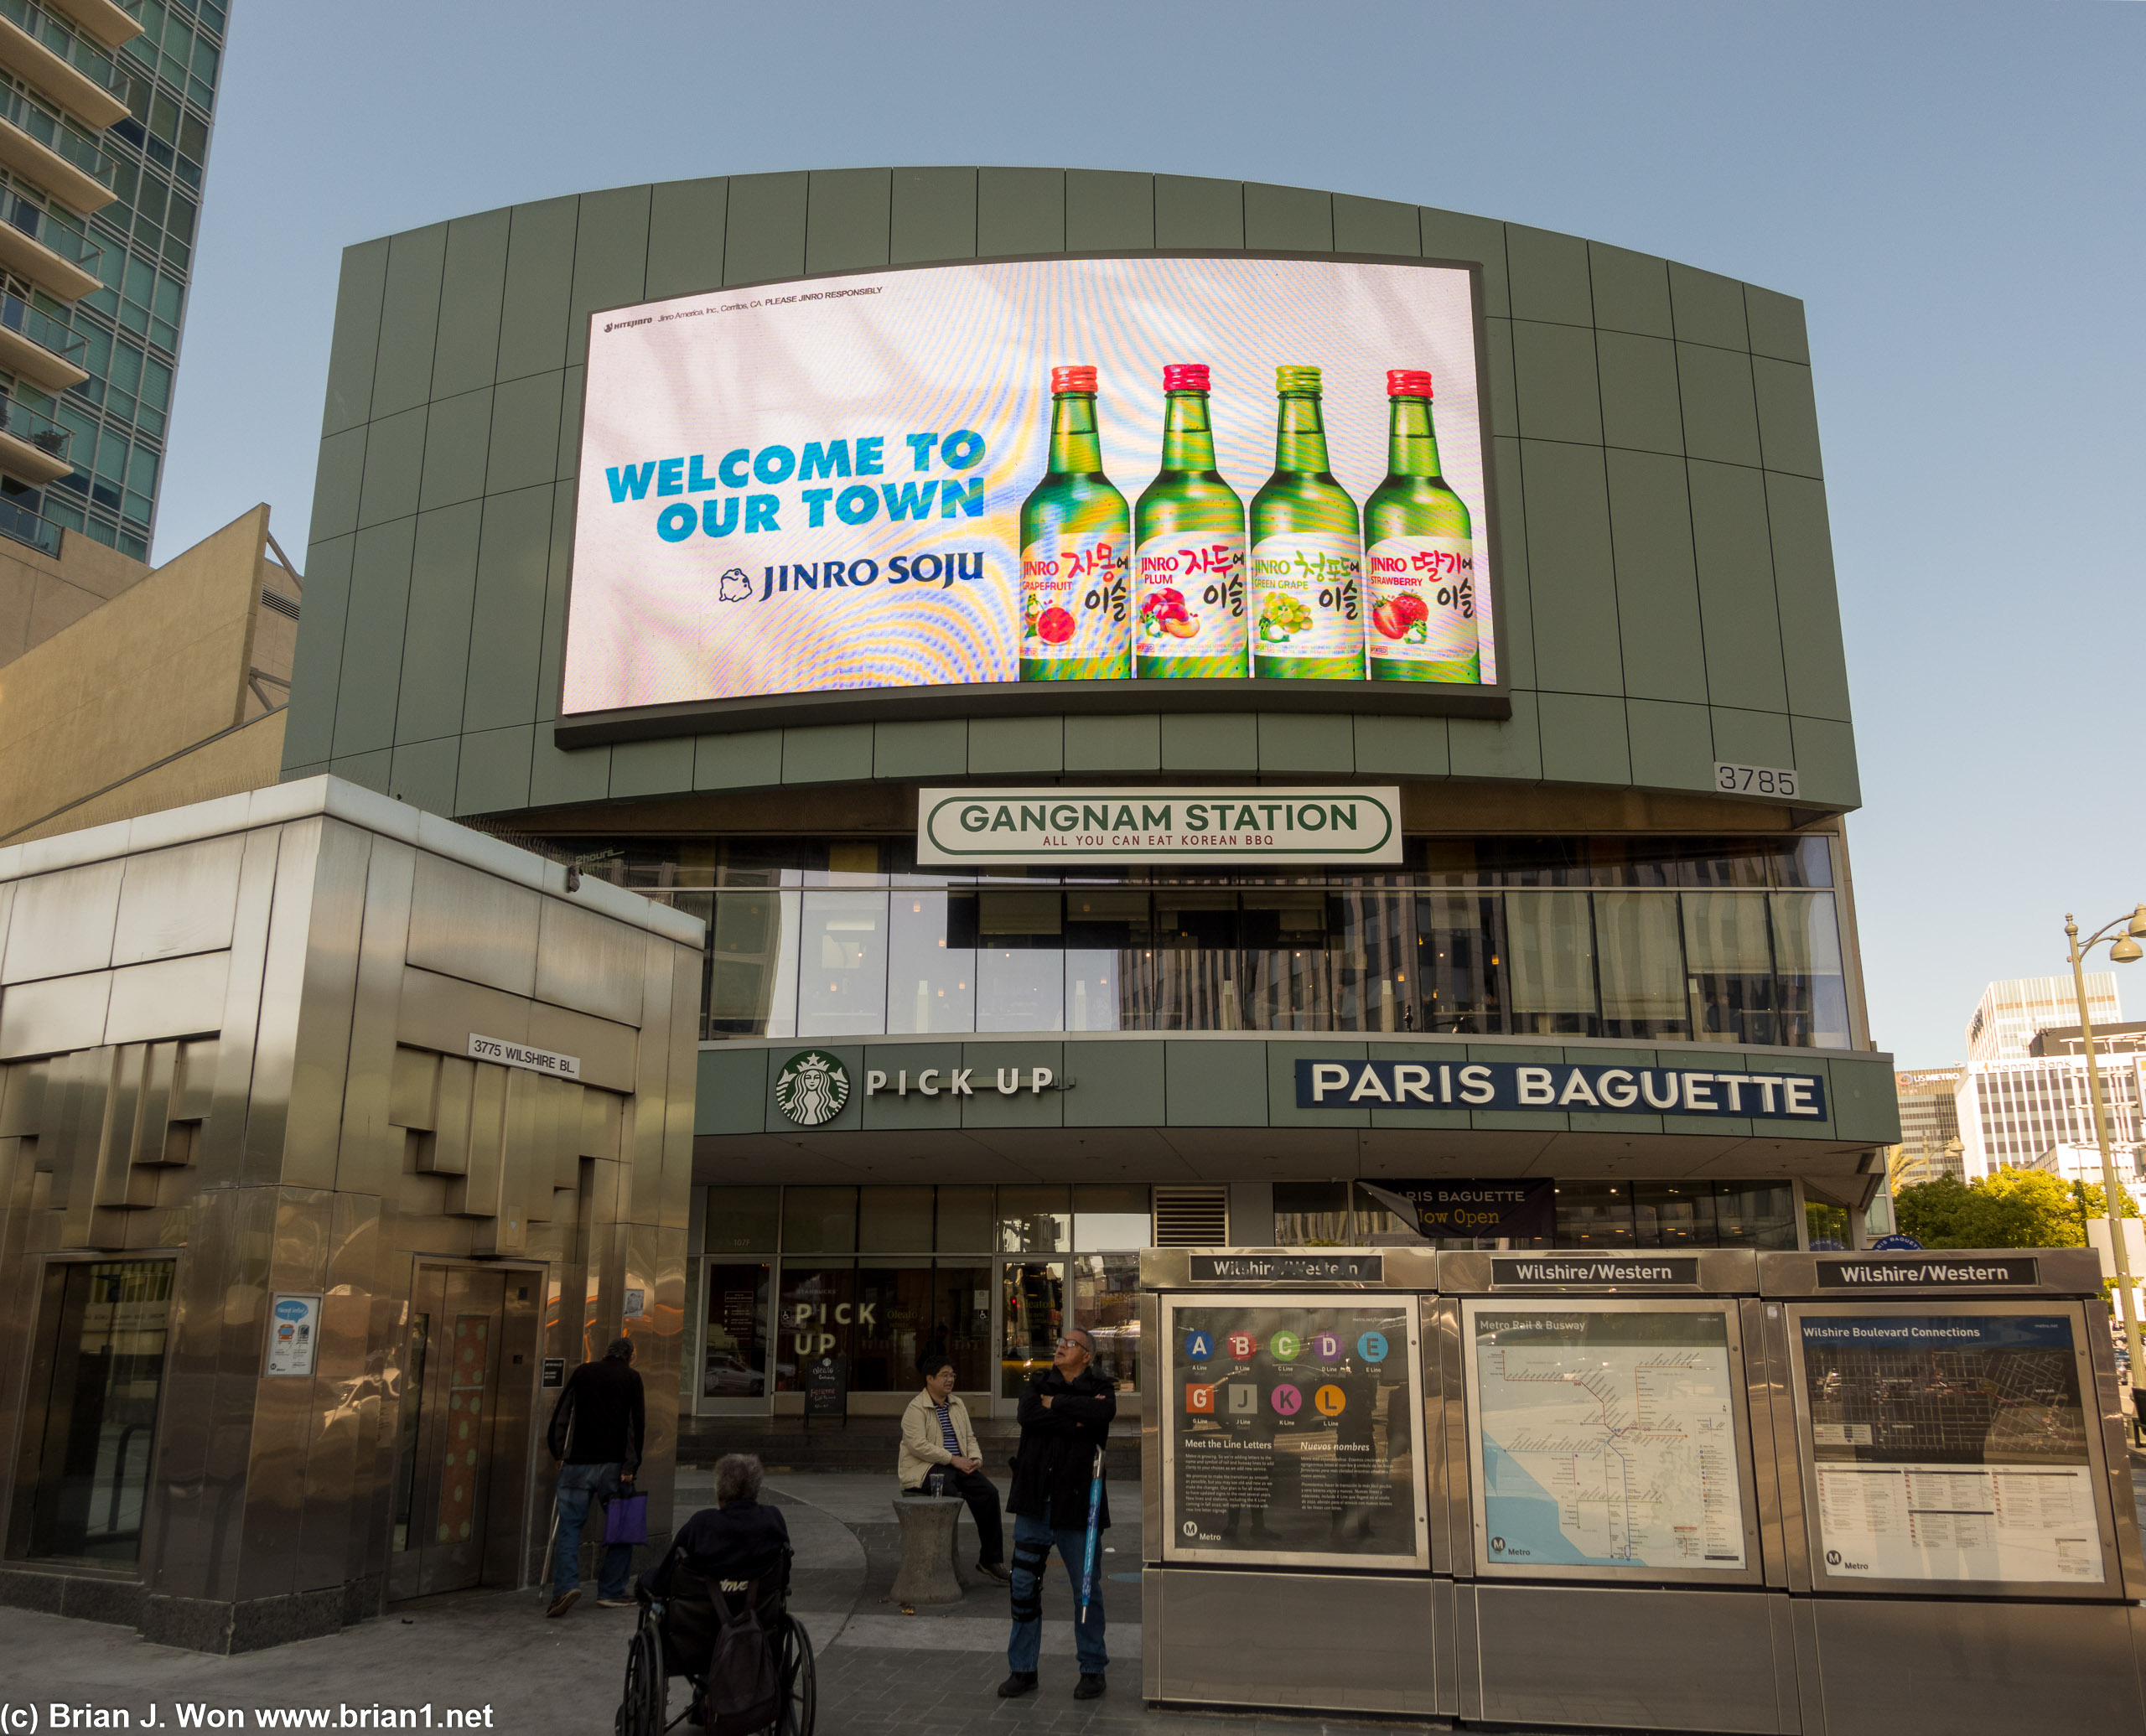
[1419, 553]
[1076, 550]
[1307, 558]
[1188, 567]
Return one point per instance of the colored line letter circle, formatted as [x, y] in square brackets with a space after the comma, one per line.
[1287, 1400]
[1372, 1347]
[1287, 1347]
[1199, 1346]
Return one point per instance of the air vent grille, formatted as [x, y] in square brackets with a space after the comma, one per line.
[1192, 1217]
[279, 603]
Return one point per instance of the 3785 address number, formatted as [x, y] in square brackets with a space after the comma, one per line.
[1754, 780]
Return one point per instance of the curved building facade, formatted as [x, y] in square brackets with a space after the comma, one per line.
[1601, 990]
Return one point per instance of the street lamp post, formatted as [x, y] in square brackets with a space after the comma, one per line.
[2124, 949]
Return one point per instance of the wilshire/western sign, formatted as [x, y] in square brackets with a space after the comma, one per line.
[1514, 1084]
[1255, 822]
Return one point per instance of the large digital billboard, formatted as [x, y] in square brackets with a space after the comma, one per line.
[1096, 469]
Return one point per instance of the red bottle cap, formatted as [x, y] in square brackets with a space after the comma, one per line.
[1408, 383]
[1185, 376]
[1072, 379]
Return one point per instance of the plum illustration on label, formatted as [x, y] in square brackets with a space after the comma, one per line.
[1076, 550]
[1420, 554]
[1306, 585]
[1188, 572]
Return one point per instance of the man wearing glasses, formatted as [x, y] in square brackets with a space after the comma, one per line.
[1065, 1417]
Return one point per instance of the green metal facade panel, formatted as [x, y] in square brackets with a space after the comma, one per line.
[354, 343]
[466, 352]
[1660, 522]
[409, 319]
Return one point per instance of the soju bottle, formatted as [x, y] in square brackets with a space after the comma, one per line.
[1076, 550]
[1307, 560]
[1419, 553]
[1189, 534]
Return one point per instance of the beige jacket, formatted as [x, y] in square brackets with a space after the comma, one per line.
[923, 1446]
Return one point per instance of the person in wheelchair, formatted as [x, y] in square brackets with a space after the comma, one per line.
[715, 1610]
[735, 1542]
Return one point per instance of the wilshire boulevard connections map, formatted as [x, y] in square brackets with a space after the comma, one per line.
[1607, 1438]
[1950, 1447]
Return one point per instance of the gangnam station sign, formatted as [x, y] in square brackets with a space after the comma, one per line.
[1089, 469]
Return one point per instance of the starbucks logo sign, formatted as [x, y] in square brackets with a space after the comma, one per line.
[812, 1087]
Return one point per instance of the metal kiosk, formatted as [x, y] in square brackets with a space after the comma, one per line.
[1285, 1530]
[1956, 1505]
[1603, 1494]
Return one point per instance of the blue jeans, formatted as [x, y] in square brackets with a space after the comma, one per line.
[1033, 1538]
[577, 1484]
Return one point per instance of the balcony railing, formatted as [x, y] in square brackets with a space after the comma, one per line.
[24, 525]
[64, 40]
[41, 328]
[45, 126]
[42, 227]
[34, 428]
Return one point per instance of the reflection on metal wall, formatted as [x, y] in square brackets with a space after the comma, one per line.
[239, 1036]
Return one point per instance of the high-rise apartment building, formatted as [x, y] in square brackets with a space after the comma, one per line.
[2010, 1014]
[105, 116]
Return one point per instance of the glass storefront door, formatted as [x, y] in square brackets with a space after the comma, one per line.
[734, 1351]
[1031, 1314]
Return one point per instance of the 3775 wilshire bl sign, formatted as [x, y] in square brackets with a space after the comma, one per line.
[1518, 1084]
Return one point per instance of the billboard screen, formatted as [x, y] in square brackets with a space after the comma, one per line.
[1093, 469]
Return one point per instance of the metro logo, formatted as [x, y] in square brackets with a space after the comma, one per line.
[1198, 1399]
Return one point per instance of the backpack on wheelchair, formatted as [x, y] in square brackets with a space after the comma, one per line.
[748, 1660]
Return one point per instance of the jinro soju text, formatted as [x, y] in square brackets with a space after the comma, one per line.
[1076, 550]
[1306, 607]
[1189, 530]
[1419, 552]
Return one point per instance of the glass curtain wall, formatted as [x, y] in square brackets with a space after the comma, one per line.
[1591, 1214]
[1704, 940]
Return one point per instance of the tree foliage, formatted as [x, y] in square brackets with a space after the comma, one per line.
[2010, 1209]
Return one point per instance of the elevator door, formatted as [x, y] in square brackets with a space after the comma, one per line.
[448, 1459]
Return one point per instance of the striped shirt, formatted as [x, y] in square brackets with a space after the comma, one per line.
[946, 1427]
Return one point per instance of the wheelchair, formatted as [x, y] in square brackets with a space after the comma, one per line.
[676, 1635]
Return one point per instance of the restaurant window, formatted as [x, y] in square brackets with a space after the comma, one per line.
[1551, 963]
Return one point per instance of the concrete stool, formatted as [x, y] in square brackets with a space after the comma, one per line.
[928, 1573]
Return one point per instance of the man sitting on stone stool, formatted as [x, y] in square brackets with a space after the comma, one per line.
[939, 1457]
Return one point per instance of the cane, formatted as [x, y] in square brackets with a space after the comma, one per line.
[544, 1579]
[1095, 1512]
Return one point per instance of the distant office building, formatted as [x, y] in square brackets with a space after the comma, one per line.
[2011, 1013]
[2011, 1112]
[2122, 1041]
[1930, 1128]
[2083, 1163]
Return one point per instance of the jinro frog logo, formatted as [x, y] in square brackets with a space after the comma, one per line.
[812, 1087]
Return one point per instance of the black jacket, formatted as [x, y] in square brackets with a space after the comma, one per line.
[600, 1418]
[729, 1544]
[1057, 1460]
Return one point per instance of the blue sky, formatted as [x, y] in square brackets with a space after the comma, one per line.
[1954, 190]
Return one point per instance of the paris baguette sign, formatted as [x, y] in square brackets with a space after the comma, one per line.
[1512, 1084]
[1217, 823]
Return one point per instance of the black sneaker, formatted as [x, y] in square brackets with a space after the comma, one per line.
[1090, 1688]
[1020, 1682]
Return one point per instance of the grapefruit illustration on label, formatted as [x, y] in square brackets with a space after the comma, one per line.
[1076, 550]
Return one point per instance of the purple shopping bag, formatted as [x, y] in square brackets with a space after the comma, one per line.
[625, 1520]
